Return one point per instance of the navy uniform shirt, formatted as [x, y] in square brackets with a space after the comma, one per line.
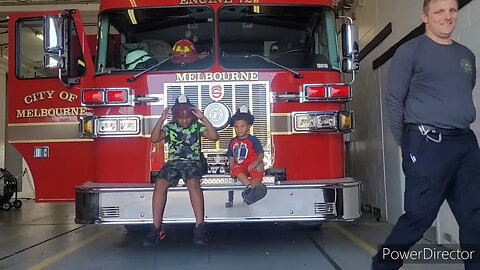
[430, 83]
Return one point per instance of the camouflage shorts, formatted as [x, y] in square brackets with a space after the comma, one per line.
[173, 171]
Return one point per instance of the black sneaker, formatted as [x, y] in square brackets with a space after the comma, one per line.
[154, 236]
[255, 194]
[200, 236]
[246, 191]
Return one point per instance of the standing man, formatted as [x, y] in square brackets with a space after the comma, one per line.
[430, 108]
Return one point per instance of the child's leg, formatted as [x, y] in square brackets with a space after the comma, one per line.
[243, 178]
[256, 182]
[196, 199]
[256, 177]
[240, 172]
[159, 200]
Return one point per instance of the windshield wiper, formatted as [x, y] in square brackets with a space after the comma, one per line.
[136, 76]
[296, 74]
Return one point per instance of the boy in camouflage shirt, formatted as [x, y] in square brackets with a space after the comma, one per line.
[183, 138]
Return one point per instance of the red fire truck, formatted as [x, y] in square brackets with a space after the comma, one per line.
[81, 109]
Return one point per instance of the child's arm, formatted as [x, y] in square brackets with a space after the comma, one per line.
[157, 134]
[254, 164]
[231, 163]
[257, 146]
[211, 133]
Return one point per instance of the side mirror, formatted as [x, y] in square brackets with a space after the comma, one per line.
[350, 47]
[350, 65]
[54, 35]
[51, 61]
[350, 40]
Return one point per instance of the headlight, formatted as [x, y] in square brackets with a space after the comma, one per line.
[110, 126]
[106, 126]
[128, 125]
[315, 121]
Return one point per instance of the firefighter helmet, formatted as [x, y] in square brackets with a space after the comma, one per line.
[136, 57]
[184, 51]
[243, 113]
[182, 106]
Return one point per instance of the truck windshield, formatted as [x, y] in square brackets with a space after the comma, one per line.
[136, 39]
[297, 37]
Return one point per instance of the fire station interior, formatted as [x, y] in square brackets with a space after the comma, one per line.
[45, 235]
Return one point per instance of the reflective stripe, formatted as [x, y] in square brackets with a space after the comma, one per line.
[45, 132]
[281, 123]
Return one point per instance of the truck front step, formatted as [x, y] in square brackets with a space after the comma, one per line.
[120, 203]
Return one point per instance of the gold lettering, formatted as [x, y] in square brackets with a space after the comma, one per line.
[217, 76]
[28, 99]
[181, 77]
[235, 76]
[63, 95]
[20, 113]
[208, 76]
[183, 2]
[191, 77]
[200, 77]
[50, 112]
[50, 93]
[72, 97]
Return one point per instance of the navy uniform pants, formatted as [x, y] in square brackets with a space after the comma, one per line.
[435, 172]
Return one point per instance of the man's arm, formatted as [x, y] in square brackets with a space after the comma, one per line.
[399, 76]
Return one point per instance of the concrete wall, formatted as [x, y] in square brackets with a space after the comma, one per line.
[375, 155]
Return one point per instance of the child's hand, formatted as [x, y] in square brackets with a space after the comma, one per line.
[251, 167]
[197, 113]
[165, 113]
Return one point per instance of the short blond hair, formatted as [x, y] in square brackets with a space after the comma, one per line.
[426, 4]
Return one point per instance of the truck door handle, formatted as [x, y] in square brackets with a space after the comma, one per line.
[143, 99]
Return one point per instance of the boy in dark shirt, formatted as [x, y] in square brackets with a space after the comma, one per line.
[245, 156]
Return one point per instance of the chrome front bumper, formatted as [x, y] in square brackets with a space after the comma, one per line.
[322, 200]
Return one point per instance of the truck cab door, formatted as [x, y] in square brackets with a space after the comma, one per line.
[44, 104]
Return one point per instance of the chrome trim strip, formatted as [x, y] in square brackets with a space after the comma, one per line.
[44, 132]
[92, 187]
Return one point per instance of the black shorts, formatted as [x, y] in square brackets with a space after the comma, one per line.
[173, 171]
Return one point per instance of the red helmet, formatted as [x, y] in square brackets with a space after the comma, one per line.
[184, 51]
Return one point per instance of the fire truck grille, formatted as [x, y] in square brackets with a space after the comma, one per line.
[254, 95]
[110, 212]
[324, 208]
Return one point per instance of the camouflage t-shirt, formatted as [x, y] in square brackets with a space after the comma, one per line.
[183, 143]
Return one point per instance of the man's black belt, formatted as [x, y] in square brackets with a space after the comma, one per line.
[434, 129]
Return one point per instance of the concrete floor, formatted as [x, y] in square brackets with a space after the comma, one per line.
[44, 236]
